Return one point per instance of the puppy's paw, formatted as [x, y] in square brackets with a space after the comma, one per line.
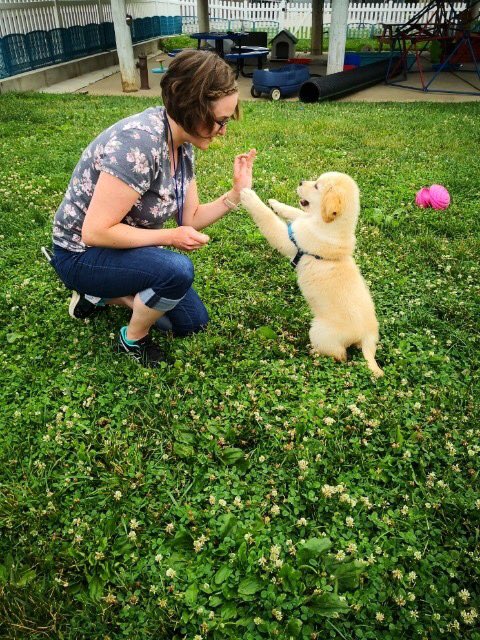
[249, 198]
[275, 205]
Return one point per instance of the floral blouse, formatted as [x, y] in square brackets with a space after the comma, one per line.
[135, 150]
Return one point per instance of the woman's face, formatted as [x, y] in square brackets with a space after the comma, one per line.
[223, 110]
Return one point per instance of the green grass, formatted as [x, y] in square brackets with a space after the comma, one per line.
[346, 507]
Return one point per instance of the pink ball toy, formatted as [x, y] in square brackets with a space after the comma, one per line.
[422, 199]
[439, 197]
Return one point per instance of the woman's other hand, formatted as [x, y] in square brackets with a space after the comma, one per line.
[243, 171]
[188, 239]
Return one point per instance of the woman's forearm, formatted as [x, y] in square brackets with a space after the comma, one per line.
[123, 236]
[210, 212]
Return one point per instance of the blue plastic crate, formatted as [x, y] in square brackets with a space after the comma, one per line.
[78, 45]
[107, 35]
[15, 54]
[93, 40]
[39, 48]
[57, 37]
[177, 24]
[156, 25]
[4, 73]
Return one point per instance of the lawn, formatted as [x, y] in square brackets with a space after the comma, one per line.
[246, 489]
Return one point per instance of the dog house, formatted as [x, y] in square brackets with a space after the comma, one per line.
[283, 45]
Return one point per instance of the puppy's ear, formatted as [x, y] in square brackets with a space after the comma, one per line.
[332, 205]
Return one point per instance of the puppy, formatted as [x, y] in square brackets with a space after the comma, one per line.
[320, 241]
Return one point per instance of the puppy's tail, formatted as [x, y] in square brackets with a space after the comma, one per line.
[369, 347]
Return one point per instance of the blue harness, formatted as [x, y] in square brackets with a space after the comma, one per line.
[294, 261]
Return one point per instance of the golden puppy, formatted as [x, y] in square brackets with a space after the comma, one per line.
[320, 241]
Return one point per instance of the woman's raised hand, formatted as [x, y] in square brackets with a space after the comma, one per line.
[189, 239]
[243, 171]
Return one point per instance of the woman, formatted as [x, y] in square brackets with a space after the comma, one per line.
[108, 236]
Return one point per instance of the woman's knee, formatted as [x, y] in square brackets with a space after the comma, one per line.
[182, 272]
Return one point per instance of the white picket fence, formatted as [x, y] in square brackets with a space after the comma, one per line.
[22, 17]
[297, 16]
[18, 16]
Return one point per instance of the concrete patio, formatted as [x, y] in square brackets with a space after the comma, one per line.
[107, 82]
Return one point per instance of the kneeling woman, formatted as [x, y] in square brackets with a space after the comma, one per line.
[109, 245]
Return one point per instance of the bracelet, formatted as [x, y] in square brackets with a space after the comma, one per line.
[228, 203]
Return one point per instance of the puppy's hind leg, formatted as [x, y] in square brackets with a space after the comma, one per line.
[369, 347]
[325, 340]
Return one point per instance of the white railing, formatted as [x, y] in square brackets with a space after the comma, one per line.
[17, 16]
[20, 17]
[297, 16]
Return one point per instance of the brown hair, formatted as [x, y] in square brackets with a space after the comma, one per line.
[193, 81]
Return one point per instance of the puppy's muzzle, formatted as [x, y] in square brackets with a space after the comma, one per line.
[304, 203]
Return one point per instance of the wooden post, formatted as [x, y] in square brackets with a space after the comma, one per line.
[317, 27]
[338, 36]
[202, 13]
[123, 37]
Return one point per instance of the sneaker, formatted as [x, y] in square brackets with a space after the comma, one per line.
[144, 351]
[81, 308]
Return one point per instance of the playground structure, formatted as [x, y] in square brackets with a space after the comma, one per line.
[437, 22]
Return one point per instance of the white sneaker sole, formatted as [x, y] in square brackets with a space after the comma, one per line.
[73, 304]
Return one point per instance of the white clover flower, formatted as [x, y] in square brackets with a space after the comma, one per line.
[379, 616]
[170, 573]
[158, 557]
[99, 555]
[134, 524]
[328, 491]
[170, 527]
[257, 620]
[222, 503]
[340, 555]
[301, 522]
[469, 617]
[238, 501]
[262, 561]
[261, 459]
[274, 552]
[275, 510]
[349, 521]
[303, 465]
[199, 543]
[414, 614]
[132, 535]
[117, 495]
[351, 547]
[417, 555]
[412, 576]
[464, 595]
[397, 574]
[212, 499]
[404, 510]
[328, 420]
[276, 613]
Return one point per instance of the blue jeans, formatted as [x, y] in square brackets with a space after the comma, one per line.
[162, 278]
